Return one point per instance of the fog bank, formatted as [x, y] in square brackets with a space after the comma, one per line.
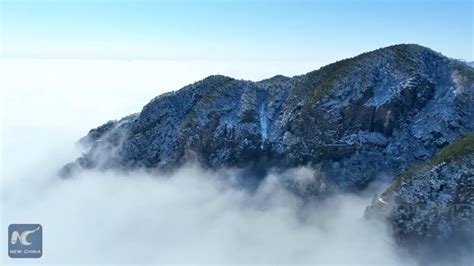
[192, 216]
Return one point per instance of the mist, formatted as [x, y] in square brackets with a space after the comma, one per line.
[191, 216]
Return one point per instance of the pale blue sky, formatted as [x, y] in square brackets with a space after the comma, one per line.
[323, 31]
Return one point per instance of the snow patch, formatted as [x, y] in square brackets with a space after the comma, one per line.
[263, 122]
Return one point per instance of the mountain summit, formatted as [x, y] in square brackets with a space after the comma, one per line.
[356, 120]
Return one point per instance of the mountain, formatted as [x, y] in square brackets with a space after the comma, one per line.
[357, 120]
[432, 203]
[471, 64]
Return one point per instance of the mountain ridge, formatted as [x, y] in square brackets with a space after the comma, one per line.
[379, 109]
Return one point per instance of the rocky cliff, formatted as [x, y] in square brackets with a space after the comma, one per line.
[359, 119]
[432, 203]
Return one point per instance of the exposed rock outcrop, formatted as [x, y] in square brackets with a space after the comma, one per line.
[432, 204]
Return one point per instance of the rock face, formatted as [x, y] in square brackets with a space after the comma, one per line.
[356, 120]
[433, 203]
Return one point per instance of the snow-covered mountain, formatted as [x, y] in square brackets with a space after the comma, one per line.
[357, 120]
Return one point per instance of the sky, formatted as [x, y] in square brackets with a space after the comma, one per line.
[259, 30]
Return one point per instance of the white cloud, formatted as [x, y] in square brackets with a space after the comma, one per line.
[193, 216]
